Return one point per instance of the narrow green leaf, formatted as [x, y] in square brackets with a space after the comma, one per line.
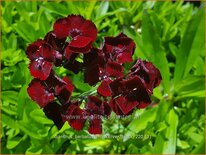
[191, 45]
[152, 43]
[166, 141]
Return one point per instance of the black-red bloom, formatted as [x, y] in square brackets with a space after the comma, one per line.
[69, 44]
[82, 33]
[149, 74]
[42, 57]
[128, 94]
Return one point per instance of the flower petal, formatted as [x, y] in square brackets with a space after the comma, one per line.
[115, 69]
[47, 53]
[95, 126]
[148, 73]
[72, 64]
[105, 109]
[32, 49]
[80, 44]
[119, 48]
[53, 111]
[56, 43]
[40, 69]
[116, 87]
[91, 75]
[93, 105]
[64, 92]
[104, 88]
[75, 117]
[38, 92]
[125, 105]
[89, 30]
[115, 107]
[124, 57]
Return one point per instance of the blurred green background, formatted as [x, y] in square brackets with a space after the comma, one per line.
[169, 34]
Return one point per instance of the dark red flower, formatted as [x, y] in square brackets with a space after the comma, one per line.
[69, 44]
[93, 62]
[39, 92]
[62, 88]
[148, 73]
[42, 56]
[96, 108]
[119, 49]
[81, 31]
[58, 45]
[97, 65]
[128, 94]
[75, 116]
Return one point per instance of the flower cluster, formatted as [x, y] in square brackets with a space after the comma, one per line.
[118, 91]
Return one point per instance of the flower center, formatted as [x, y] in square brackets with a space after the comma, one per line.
[74, 33]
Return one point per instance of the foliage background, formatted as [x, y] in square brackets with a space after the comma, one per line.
[170, 34]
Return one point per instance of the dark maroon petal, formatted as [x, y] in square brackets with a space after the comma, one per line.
[105, 109]
[125, 105]
[104, 88]
[57, 44]
[47, 53]
[91, 75]
[75, 117]
[116, 87]
[32, 49]
[95, 126]
[68, 53]
[115, 107]
[119, 48]
[72, 64]
[143, 105]
[124, 57]
[91, 57]
[93, 105]
[53, 111]
[58, 58]
[89, 30]
[62, 28]
[53, 80]
[148, 73]
[40, 69]
[136, 91]
[80, 44]
[64, 92]
[115, 69]
[38, 92]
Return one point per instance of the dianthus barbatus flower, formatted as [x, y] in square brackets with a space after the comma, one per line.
[119, 49]
[81, 31]
[42, 57]
[95, 109]
[128, 94]
[148, 73]
[71, 40]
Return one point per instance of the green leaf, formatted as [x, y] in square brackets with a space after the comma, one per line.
[12, 143]
[57, 8]
[39, 116]
[192, 86]
[26, 31]
[166, 141]
[140, 123]
[103, 8]
[152, 43]
[200, 149]
[191, 46]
